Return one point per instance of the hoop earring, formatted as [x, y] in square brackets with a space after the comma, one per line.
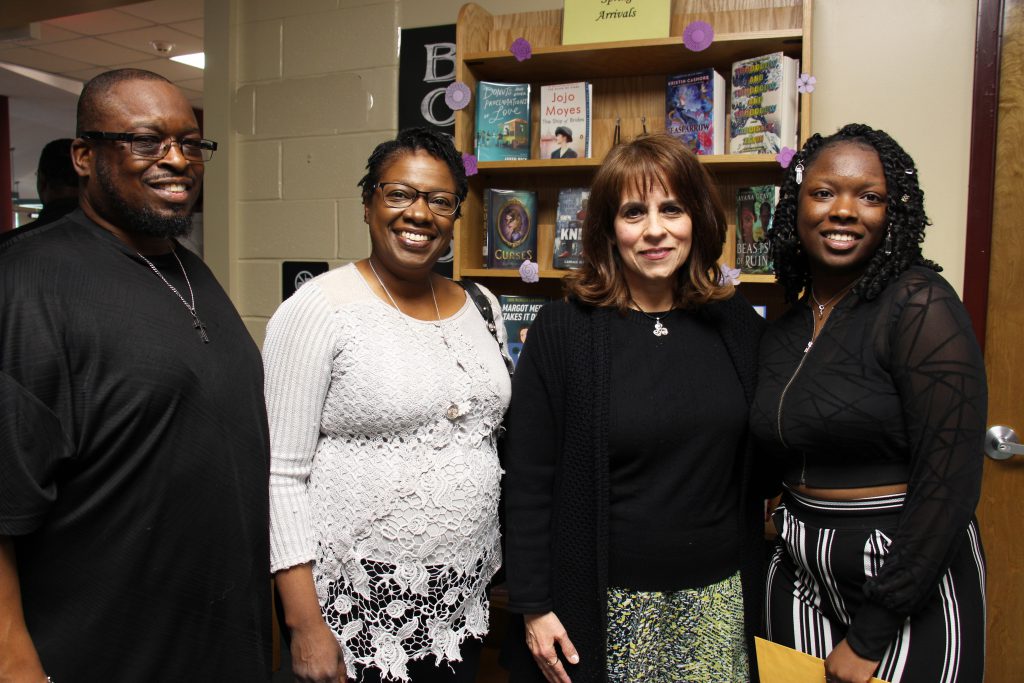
[887, 247]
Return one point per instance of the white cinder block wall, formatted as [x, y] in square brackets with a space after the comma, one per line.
[311, 92]
[298, 92]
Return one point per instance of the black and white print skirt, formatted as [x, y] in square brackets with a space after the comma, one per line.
[825, 552]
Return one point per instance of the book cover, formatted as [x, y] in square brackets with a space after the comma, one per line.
[518, 313]
[572, 209]
[763, 111]
[510, 219]
[695, 110]
[755, 207]
[565, 120]
[603, 21]
[502, 121]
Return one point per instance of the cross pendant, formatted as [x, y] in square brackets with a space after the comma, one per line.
[201, 328]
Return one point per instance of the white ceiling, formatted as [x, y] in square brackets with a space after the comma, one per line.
[81, 46]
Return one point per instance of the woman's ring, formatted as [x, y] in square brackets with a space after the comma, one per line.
[553, 662]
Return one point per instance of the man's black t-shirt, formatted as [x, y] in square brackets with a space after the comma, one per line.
[141, 528]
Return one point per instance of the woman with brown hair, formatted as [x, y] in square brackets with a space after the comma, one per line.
[633, 541]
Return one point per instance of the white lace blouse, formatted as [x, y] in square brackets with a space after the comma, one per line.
[396, 505]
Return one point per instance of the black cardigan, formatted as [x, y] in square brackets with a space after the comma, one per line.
[556, 494]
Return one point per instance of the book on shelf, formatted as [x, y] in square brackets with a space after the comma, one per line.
[572, 209]
[518, 312]
[565, 120]
[602, 21]
[755, 207]
[695, 110]
[763, 110]
[502, 121]
[510, 224]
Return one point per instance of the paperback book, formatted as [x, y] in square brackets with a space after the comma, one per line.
[695, 110]
[755, 207]
[518, 313]
[565, 120]
[763, 111]
[572, 209]
[510, 220]
[502, 121]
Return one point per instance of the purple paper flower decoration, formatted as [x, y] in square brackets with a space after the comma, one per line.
[785, 156]
[457, 95]
[469, 162]
[730, 275]
[529, 271]
[698, 35]
[806, 83]
[521, 49]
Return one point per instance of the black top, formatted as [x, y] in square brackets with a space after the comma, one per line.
[678, 419]
[52, 212]
[557, 489]
[892, 390]
[135, 481]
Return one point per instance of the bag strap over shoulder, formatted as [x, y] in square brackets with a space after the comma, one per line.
[483, 304]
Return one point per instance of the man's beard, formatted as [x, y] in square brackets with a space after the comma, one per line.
[143, 220]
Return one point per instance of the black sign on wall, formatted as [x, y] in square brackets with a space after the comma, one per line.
[426, 66]
[294, 274]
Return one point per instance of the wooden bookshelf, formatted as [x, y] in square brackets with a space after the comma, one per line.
[628, 85]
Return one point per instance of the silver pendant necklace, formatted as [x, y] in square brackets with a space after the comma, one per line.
[453, 412]
[835, 297]
[197, 324]
[659, 329]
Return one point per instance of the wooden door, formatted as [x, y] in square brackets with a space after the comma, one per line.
[1001, 512]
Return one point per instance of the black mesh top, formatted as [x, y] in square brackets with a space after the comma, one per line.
[892, 390]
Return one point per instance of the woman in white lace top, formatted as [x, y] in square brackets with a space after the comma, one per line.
[385, 391]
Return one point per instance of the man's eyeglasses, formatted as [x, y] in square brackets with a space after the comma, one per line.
[400, 196]
[156, 147]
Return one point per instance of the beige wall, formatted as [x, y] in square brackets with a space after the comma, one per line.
[299, 92]
[907, 67]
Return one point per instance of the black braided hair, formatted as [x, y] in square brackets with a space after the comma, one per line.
[905, 219]
[433, 142]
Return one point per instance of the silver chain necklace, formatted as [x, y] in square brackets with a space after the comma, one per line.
[453, 412]
[834, 297]
[659, 329]
[190, 307]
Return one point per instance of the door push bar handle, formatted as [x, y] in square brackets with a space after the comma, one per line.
[1001, 443]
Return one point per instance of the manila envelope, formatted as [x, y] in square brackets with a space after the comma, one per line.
[780, 664]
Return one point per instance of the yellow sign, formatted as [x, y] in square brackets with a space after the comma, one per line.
[603, 21]
[780, 664]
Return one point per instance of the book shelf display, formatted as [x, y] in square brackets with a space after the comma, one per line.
[629, 84]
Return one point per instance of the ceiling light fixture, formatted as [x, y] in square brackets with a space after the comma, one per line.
[162, 46]
[196, 59]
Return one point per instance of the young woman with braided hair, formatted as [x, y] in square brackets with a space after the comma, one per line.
[872, 388]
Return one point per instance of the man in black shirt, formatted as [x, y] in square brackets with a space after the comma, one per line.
[134, 455]
[56, 182]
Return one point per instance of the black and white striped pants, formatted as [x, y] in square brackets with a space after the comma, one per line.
[825, 552]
